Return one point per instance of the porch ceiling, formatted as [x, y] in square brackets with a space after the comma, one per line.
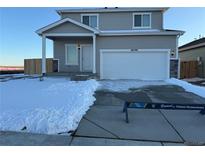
[69, 37]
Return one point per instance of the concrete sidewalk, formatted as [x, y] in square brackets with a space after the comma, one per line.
[28, 139]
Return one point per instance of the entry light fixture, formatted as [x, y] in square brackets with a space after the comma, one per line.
[172, 53]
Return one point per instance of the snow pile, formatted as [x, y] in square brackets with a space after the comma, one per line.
[196, 79]
[188, 87]
[124, 85]
[51, 106]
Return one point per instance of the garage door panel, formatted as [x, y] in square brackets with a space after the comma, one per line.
[134, 65]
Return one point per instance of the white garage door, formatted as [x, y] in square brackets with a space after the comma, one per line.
[141, 64]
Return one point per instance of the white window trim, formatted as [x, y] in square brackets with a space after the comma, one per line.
[141, 27]
[66, 60]
[89, 19]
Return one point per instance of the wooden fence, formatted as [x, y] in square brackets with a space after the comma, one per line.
[33, 66]
[188, 69]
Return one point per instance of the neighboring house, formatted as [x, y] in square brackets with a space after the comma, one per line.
[113, 43]
[194, 51]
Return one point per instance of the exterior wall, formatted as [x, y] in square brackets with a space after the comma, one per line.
[192, 55]
[59, 52]
[119, 20]
[134, 42]
[67, 27]
[117, 42]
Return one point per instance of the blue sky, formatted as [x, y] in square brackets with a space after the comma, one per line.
[18, 39]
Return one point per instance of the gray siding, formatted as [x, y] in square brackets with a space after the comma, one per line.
[134, 42]
[192, 55]
[119, 20]
[117, 42]
[59, 52]
[67, 27]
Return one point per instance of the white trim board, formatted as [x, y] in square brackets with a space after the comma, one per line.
[114, 33]
[40, 31]
[117, 33]
[137, 33]
[129, 30]
[69, 34]
[137, 50]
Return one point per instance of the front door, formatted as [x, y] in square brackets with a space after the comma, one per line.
[87, 58]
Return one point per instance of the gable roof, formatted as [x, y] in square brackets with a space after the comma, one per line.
[191, 45]
[110, 9]
[59, 22]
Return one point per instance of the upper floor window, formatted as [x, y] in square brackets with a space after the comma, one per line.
[142, 20]
[90, 20]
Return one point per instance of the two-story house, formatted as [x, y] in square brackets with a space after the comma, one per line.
[113, 43]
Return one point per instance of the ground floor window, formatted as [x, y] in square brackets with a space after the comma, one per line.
[71, 54]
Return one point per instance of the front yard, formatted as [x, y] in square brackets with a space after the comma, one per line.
[55, 105]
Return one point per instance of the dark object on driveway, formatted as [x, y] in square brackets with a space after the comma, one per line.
[138, 100]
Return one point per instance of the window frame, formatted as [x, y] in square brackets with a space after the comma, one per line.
[97, 15]
[141, 27]
[66, 55]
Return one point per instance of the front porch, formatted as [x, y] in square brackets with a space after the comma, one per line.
[76, 54]
[74, 46]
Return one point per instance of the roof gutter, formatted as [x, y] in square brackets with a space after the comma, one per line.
[99, 10]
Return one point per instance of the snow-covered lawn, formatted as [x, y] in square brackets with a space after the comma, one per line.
[198, 90]
[55, 105]
[196, 79]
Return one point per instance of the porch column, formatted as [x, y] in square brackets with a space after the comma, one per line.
[43, 55]
[94, 53]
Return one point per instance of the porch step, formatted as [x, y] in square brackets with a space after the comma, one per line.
[74, 76]
[83, 77]
[63, 74]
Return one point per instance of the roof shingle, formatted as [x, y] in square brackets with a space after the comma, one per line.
[193, 43]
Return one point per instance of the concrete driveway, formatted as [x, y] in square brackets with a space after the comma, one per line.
[105, 120]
